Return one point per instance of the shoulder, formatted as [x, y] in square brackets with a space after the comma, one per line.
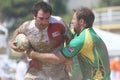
[26, 23]
[57, 26]
[56, 19]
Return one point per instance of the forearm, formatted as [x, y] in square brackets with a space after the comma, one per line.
[53, 58]
[13, 42]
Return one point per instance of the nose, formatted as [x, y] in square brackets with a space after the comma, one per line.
[44, 22]
[72, 23]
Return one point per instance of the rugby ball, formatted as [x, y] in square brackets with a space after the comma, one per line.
[22, 41]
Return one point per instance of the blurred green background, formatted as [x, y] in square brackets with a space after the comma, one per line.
[18, 11]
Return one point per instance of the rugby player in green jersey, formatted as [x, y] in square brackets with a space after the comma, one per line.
[90, 49]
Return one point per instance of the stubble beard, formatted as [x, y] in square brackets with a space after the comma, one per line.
[40, 26]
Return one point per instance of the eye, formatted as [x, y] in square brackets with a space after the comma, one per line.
[48, 18]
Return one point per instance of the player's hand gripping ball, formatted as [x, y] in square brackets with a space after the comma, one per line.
[22, 41]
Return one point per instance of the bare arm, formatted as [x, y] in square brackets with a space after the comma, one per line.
[17, 31]
[53, 58]
[13, 43]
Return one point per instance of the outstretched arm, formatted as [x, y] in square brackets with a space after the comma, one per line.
[53, 58]
[67, 52]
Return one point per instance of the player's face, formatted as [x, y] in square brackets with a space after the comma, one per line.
[42, 19]
[76, 23]
[73, 21]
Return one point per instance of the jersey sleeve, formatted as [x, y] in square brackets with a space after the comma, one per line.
[20, 29]
[73, 47]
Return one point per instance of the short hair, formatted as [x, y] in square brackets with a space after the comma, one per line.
[86, 14]
[41, 5]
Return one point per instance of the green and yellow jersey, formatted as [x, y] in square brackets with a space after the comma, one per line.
[92, 55]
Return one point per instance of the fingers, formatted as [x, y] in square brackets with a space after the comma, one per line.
[15, 48]
[68, 66]
[13, 45]
[20, 50]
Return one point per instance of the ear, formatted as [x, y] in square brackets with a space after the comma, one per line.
[34, 16]
[81, 21]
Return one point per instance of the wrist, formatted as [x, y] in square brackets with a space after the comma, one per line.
[31, 54]
[34, 54]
